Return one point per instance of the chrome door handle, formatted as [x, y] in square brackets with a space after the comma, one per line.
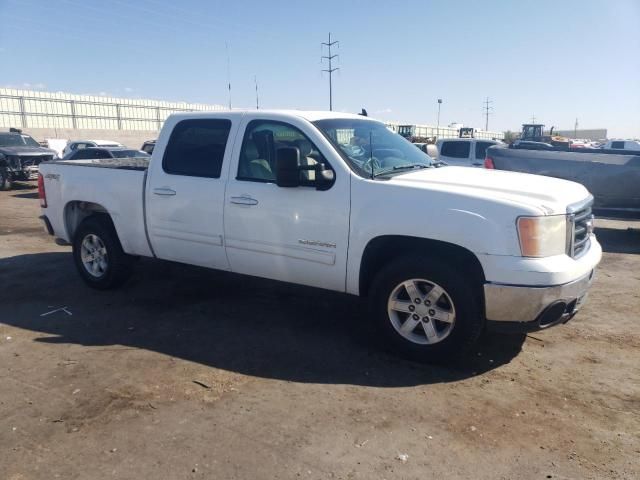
[244, 200]
[164, 191]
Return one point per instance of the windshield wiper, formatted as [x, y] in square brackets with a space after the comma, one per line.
[408, 166]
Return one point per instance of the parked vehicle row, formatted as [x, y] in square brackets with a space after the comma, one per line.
[335, 201]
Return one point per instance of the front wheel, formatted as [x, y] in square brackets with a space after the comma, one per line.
[425, 309]
[98, 255]
[6, 182]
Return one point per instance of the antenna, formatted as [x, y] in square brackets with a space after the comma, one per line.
[488, 110]
[255, 80]
[373, 176]
[226, 44]
[330, 70]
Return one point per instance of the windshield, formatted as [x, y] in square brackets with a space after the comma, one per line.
[371, 148]
[17, 140]
[128, 153]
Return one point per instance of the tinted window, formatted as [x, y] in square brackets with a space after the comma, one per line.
[196, 148]
[617, 145]
[128, 153]
[481, 149]
[455, 149]
[89, 153]
[258, 154]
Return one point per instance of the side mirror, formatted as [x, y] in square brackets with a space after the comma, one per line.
[324, 177]
[288, 167]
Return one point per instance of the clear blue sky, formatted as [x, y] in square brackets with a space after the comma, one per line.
[557, 60]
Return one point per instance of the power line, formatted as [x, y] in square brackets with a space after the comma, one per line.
[488, 110]
[330, 70]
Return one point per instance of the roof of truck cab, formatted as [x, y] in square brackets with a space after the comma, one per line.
[309, 115]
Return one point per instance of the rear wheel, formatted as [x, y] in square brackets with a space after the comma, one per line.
[98, 255]
[425, 309]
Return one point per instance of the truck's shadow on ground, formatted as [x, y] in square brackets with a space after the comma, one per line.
[248, 325]
[615, 240]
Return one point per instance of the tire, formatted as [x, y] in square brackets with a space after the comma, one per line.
[98, 255]
[6, 182]
[445, 328]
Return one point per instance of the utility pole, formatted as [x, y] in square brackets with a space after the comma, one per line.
[533, 119]
[330, 70]
[438, 127]
[255, 80]
[488, 110]
[575, 129]
[226, 44]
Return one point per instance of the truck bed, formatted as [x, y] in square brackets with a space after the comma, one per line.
[131, 163]
[614, 180]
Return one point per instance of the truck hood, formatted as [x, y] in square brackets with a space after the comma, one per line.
[31, 151]
[548, 195]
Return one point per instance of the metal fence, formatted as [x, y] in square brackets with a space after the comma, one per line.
[430, 131]
[34, 109]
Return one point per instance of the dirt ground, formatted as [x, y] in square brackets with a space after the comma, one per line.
[187, 373]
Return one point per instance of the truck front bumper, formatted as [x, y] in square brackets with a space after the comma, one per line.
[517, 308]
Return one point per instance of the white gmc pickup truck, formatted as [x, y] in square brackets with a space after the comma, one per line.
[335, 201]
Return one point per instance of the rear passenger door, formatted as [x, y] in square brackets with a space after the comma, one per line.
[185, 193]
[455, 152]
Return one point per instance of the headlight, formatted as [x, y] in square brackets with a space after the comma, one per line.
[542, 236]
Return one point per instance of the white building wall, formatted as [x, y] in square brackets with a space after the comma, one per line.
[36, 109]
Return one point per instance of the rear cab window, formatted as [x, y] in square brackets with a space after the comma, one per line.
[455, 149]
[196, 148]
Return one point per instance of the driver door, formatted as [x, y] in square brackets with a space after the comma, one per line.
[297, 234]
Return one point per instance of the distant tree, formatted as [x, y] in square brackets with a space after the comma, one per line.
[509, 136]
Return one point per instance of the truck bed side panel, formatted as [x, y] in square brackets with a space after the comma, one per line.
[614, 180]
[118, 191]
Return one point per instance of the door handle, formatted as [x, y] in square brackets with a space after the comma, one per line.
[164, 191]
[244, 200]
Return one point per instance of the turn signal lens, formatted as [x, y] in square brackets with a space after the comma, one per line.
[542, 236]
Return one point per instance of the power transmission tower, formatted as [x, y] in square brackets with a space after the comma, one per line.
[488, 110]
[533, 119]
[330, 70]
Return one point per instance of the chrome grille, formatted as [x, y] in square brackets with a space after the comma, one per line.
[581, 227]
[28, 160]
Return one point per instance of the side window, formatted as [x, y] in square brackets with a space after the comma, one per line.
[617, 145]
[258, 153]
[456, 149]
[481, 149]
[82, 154]
[196, 148]
[97, 153]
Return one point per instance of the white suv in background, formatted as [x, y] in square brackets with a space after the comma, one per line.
[79, 144]
[622, 145]
[464, 152]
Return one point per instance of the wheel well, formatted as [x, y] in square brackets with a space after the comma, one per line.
[75, 212]
[382, 250]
